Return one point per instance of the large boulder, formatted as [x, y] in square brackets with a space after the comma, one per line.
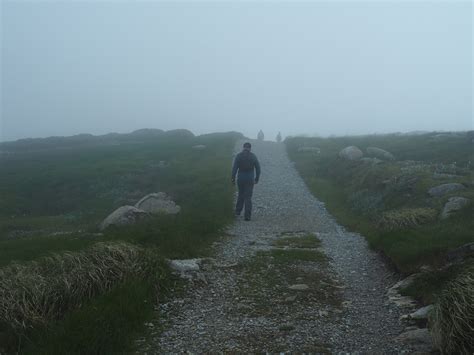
[122, 216]
[379, 153]
[156, 203]
[443, 189]
[453, 205]
[351, 153]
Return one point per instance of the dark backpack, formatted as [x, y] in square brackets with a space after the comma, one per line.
[246, 162]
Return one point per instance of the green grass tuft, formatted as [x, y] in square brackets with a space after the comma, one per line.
[308, 241]
[35, 293]
[406, 218]
[453, 320]
[293, 255]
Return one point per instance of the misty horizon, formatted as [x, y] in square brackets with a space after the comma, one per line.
[342, 68]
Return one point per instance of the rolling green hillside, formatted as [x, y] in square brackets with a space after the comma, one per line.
[56, 191]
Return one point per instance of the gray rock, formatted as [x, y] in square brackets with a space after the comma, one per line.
[420, 339]
[323, 313]
[379, 153]
[158, 203]
[351, 153]
[122, 216]
[443, 189]
[299, 287]
[290, 299]
[453, 205]
[461, 253]
[315, 150]
[422, 313]
[395, 297]
[185, 265]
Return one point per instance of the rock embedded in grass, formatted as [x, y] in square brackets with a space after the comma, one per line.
[351, 153]
[443, 189]
[461, 253]
[157, 203]
[379, 153]
[453, 205]
[185, 265]
[422, 313]
[123, 216]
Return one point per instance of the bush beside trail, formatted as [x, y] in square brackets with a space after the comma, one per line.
[36, 293]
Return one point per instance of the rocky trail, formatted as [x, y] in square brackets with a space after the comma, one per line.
[290, 280]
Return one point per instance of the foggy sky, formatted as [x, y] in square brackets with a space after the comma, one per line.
[340, 67]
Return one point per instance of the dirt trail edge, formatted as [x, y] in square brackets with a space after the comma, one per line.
[291, 280]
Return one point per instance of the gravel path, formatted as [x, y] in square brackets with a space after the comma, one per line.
[234, 305]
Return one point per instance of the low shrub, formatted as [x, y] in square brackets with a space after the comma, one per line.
[33, 294]
[405, 218]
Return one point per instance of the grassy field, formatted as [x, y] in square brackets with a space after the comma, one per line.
[56, 191]
[387, 201]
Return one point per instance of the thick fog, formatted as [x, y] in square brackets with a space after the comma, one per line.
[339, 67]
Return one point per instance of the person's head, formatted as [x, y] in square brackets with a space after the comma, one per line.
[247, 146]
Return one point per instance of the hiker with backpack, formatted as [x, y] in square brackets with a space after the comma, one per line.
[248, 168]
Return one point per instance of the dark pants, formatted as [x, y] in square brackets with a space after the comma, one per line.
[245, 197]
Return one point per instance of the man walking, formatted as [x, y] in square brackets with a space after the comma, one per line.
[248, 167]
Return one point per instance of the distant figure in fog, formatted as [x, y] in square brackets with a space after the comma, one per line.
[260, 135]
[279, 137]
[246, 164]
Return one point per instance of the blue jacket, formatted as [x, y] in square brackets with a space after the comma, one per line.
[246, 163]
